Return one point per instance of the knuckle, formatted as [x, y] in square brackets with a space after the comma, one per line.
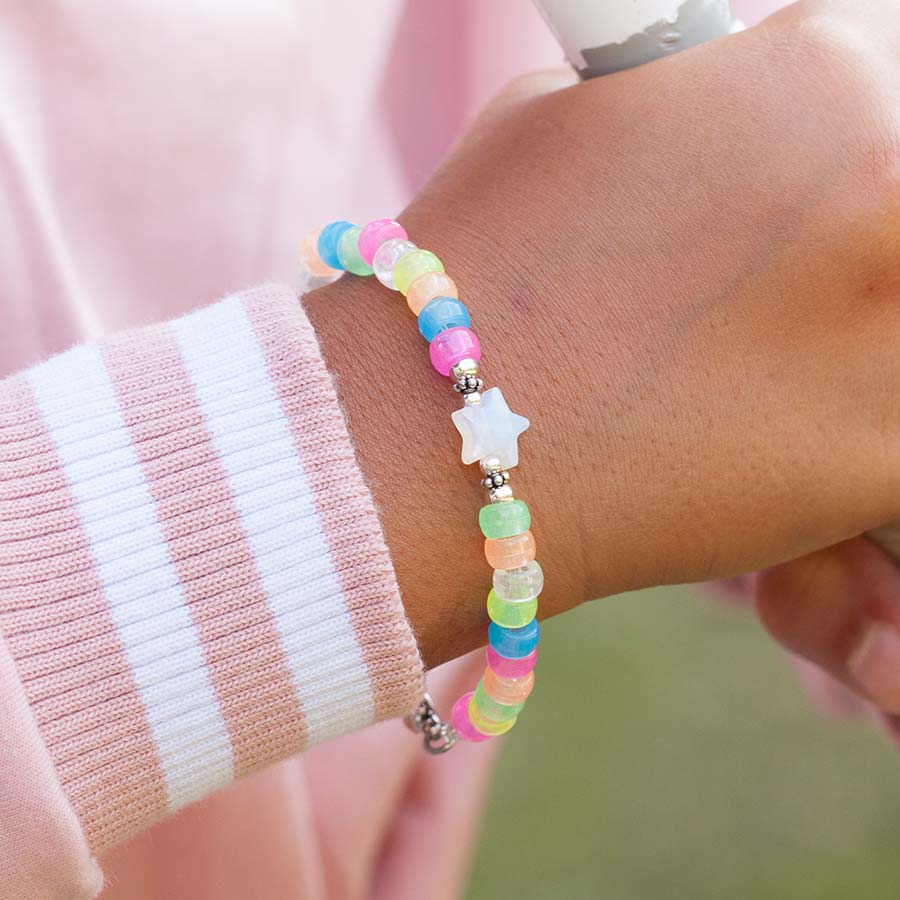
[532, 84]
[848, 90]
[828, 45]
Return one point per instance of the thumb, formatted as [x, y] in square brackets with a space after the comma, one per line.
[840, 608]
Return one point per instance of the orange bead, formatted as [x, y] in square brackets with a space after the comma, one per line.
[511, 552]
[309, 256]
[428, 286]
[508, 691]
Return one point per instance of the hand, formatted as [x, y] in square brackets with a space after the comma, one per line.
[687, 276]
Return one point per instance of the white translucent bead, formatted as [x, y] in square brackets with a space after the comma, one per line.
[519, 584]
[307, 281]
[490, 429]
[386, 258]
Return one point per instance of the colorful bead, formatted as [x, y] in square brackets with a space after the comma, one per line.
[489, 429]
[348, 252]
[328, 241]
[490, 709]
[514, 667]
[412, 265]
[310, 259]
[386, 257]
[462, 725]
[510, 553]
[451, 346]
[511, 613]
[514, 643]
[503, 520]
[507, 690]
[440, 314]
[374, 234]
[519, 584]
[428, 286]
[486, 726]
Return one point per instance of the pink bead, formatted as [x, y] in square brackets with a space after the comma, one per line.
[511, 668]
[375, 234]
[453, 345]
[459, 718]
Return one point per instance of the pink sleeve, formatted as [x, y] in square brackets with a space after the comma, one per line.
[193, 581]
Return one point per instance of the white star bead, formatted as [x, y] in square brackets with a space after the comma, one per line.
[490, 429]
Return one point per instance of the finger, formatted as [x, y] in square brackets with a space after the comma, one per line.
[830, 696]
[892, 727]
[840, 608]
[888, 538]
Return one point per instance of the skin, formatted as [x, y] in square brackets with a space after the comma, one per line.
[686, 275]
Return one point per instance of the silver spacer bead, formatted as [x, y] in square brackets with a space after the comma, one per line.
[491, 464]
[472, 399]
[501, 494]
[464, 368]
[468, 384]
[495, 479]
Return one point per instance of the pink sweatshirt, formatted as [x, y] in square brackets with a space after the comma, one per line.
[194, 583]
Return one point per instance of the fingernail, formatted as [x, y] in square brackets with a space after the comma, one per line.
[875, 664]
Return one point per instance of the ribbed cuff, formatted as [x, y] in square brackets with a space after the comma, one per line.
[194, 579]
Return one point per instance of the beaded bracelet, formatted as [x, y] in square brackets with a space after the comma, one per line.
[490, 433]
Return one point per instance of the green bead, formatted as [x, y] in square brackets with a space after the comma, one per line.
[413, 264]
[503, 520]
[511, 613]
[490, 709]
[348, 252]
[484, 725]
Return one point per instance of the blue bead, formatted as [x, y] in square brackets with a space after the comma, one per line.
[328, 241]
[440, 314]
[514, 643]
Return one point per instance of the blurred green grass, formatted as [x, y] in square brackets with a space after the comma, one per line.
[669, 753]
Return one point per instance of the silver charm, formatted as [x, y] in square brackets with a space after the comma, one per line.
[438, 736]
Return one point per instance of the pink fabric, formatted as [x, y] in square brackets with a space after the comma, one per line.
[368, 816]
[45, 855]
[184, 598]
[154, 161]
